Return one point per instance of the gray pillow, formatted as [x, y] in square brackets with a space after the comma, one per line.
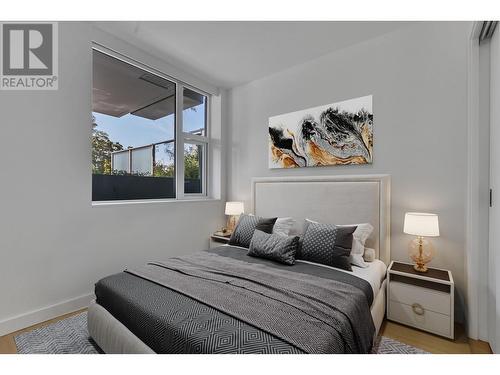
[247, 224]
[327, 244]
[274, 246]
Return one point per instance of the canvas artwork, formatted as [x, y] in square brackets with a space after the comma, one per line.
[334, 134]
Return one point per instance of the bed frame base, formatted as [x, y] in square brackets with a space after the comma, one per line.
[111, 335]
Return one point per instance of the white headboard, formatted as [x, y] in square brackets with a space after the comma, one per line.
[330, 200]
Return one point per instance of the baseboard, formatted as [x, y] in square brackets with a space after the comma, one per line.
[39, 316]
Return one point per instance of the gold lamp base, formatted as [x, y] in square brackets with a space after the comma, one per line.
[231, 223]
[420, 267]
[421, 252]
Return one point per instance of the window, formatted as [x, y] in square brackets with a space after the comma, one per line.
[137, 129]
[194, 125]
[193, 167]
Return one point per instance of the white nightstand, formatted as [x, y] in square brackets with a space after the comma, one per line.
[421, 300]
[217, 240]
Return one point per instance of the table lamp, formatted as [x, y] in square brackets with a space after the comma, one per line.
[233, 210]
[420, 249]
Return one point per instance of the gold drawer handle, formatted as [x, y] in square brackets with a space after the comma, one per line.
[418, 309]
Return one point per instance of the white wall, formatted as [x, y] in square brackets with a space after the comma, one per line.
[417, 77]
[53, 244]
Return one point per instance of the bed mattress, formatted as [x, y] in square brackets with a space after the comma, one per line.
[170, 322]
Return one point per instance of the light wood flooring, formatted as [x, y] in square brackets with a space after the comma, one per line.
[401, 333]
[432, 343]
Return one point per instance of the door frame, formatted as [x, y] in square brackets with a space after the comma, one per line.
[477, 279]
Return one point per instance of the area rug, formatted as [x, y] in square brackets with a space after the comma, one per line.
[70, 336]
[386, 345]
[67, 336]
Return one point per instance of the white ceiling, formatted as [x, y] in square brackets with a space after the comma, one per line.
[228, 54]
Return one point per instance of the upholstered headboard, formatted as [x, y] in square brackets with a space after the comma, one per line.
[331, 200]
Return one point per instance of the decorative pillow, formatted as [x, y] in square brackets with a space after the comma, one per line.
[283, 226]
[266, 225]
[328, 244]
[242, 234]
[274, 246]
[369, 255]
[360, 236]
[299, 227]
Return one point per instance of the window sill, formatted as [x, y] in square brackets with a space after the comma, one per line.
[153, 201]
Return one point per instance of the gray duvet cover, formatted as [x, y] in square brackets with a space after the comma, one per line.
[223, 301]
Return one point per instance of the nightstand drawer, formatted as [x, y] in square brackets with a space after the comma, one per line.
[420, 318]
[428, 299]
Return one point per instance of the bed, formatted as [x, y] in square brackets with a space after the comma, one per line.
[153, 309]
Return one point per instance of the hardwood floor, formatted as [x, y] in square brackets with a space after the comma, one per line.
[432, 343]
[407, 335]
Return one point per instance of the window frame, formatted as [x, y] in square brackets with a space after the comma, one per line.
[203, 166]
[180, 137]
[194, 139]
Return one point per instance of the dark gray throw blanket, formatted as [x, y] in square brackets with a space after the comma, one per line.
[314, 314]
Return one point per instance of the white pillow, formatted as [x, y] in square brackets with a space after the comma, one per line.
[298, 228]
[369, 255]
[359, 238]
[283, 225]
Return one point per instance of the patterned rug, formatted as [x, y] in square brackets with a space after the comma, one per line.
[70, 336]
[67, 336]
[385, 345]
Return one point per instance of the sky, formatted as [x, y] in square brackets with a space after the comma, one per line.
[135, 131]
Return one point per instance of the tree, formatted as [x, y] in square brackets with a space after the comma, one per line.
[102, 147]
[162, 170]
[191, 165]
[164, 152]
[192, 162]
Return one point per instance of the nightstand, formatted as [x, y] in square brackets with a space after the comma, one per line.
[217, 240]
[421, 300]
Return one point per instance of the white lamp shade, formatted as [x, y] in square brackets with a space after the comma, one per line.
[421, 224]
[234, 208]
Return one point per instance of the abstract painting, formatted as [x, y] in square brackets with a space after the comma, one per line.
[334, 134]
